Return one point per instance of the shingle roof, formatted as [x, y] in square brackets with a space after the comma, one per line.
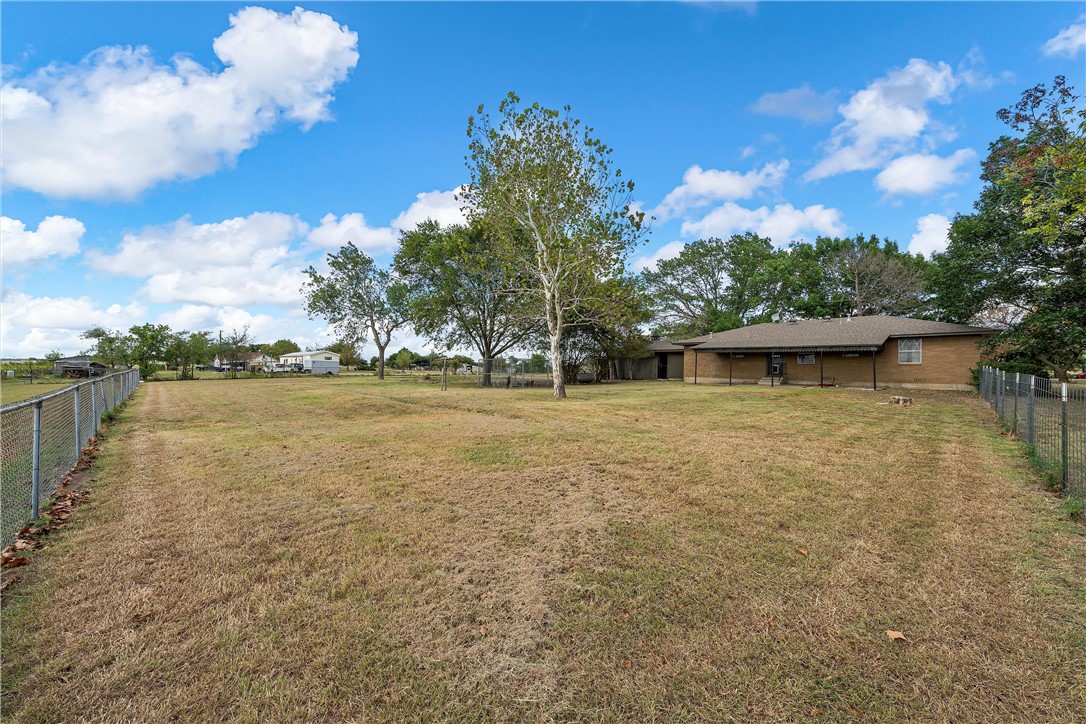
[843, 333]
[662, 345]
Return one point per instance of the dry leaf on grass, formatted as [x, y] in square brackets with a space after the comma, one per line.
[10, 561]
[896, 636]
[802, 551]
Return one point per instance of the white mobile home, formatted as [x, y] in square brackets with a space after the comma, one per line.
[318, 362]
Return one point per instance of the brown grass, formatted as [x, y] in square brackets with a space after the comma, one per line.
[351, 550]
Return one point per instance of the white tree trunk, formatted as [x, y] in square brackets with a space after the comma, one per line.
[554, 329]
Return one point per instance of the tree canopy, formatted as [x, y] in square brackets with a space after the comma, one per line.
[460, 293]
[358, 298]
[1019, 260]
[557, 208]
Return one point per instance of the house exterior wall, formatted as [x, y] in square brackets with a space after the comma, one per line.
[712, 368]
[945, 365]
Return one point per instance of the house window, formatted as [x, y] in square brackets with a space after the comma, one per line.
[804, 359]
[908, 351]
[328, 358]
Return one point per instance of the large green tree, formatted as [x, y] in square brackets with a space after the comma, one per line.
[715, 284]
[110, 348]
[358, 298]
[148, 343]
[185, 350]
[556, 206]
[281, 347]
[461, 293]
[1019, 261]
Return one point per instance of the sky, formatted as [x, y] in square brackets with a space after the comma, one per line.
[184, 163]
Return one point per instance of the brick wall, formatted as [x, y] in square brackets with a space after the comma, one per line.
[945, 364]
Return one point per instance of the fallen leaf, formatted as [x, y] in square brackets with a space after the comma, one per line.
[896, 635]
[815, 712]
[13, 561]
[482, 630]
[801, 551]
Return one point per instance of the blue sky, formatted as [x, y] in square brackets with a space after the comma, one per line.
[183, 162]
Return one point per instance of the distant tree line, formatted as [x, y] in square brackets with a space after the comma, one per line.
[152, 347]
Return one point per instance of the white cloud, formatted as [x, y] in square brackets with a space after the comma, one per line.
[334, 233]
[701, 187]
[747, 151]
[441, 206]
[36, 325]
[930, 236]
[667, 251]
[882, 119]
[56, 236]
[922, 173]
[244, 260]
[1069, 42]
[803, 103]
[185, 246]
[118, 122]
[782, 223]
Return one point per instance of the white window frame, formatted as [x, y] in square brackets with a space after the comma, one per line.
[904, 355]
[799, 358]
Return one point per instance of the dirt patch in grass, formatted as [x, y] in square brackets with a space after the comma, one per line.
[351, 550]
[515, 538]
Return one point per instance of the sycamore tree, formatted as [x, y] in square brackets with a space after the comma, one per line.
[459, 291]
[558, 210]
[1020, 258]
[358, 298]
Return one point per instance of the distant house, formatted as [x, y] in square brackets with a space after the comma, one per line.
[246, 361]
[869, 351]
[318, 362]
[78, 366]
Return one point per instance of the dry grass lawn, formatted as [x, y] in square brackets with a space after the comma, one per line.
[347, 550]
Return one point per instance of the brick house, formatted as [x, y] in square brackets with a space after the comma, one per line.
[873, 351]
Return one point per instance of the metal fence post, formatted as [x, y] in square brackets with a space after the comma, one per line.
[78, 429]
[35, 470]
[1017, 387]
[94, 407]
[1065, 447]
[1029, 411]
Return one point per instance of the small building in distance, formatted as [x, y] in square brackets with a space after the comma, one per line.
[78, 366]
[246, 361]
[317, 362]
[869, 351]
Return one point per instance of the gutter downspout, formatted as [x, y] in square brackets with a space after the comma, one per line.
[731, 362]
[821, 368]
[695, 367]
[874, 374]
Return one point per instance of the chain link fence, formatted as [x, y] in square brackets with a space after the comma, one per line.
[1050, 417]
[41, 439]
[511, 373]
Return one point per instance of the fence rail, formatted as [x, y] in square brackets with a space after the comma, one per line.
[1050, 417]
[41, 439]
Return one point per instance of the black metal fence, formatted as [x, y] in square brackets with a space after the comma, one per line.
[41, 440]
[1050, 417]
